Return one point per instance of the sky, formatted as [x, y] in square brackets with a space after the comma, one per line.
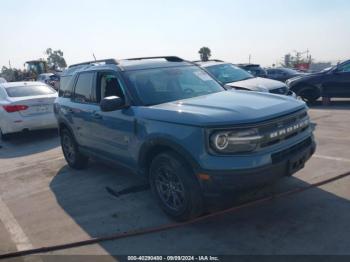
[232, 29]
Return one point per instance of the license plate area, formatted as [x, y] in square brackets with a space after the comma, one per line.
[41, 109]
[297, 163]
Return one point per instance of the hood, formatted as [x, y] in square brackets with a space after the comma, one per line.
[305, 76]
[223, 108]
[258, 84]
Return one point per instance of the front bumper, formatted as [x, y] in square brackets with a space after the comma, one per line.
[284, 163]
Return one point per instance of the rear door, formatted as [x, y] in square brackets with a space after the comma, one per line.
[81, 107]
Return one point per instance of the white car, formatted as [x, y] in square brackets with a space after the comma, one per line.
[26, 106]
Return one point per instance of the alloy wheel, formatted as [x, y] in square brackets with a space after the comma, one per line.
[170, 188]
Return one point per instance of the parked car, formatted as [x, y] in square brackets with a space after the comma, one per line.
[26, 106]
[2, 80]
[282, 73]
[168, 120]
[254, 69]
[50, 79]
[333, 82]
[237, 78]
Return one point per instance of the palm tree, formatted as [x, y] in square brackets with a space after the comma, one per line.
[204, 53]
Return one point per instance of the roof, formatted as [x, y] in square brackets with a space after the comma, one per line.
[211, 63]
[13, 84]
[128, 64]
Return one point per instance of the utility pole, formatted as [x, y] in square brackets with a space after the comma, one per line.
[10, 64]
[94, 56]
[250, 58]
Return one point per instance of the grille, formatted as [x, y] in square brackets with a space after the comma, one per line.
[284, 128]
[281, 90]
[277, 157]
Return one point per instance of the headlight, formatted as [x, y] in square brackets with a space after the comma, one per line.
[235, 141]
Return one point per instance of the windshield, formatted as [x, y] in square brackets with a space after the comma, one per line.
[21, 91]
[161, 85]
[227, 73]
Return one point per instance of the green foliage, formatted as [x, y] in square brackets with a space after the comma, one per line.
[55, 59]
[12, 74]
[205, 53]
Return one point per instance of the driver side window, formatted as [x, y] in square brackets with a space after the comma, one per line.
[108, 84]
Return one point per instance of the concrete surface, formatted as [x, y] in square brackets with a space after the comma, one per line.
[50, 204]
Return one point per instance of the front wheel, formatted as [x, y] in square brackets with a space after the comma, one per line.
[175, 186]
[308, 94]
[71, 152]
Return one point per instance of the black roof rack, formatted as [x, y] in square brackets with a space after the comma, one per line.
[168, 58]
[109, 61]
[210, 60]
[249, 65]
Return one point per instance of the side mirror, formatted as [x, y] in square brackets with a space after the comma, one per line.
[112, 103]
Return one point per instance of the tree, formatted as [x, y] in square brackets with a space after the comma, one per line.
[55, 59]
[205, 53]
[12, 74]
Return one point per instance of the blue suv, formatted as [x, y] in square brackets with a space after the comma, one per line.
[168, 120]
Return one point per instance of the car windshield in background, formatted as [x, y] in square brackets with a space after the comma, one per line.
[228, 73]
[21, 91]
[157, 86]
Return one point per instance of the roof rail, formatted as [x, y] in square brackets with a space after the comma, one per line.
[210, 60]
[168, 58]
[106, 61]
[247, 64]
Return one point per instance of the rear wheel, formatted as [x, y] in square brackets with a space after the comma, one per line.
[309, 94]
[175, 187]
[71, 152]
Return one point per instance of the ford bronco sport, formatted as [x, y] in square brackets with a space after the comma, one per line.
[168, 120]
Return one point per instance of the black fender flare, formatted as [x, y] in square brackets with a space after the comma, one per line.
[166, 143]
[63, 124]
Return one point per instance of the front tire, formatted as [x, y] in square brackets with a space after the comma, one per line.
[175, 187]
[309, 94]
[71, 152]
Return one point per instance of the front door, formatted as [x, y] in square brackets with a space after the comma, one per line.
[112, 132]
[337, 83]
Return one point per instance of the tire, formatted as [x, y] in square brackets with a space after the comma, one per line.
[175, 187]
[309, 94]
[71, 152]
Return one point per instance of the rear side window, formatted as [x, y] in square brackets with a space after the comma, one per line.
[66, 87]
[21, 91]
[83, 88]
